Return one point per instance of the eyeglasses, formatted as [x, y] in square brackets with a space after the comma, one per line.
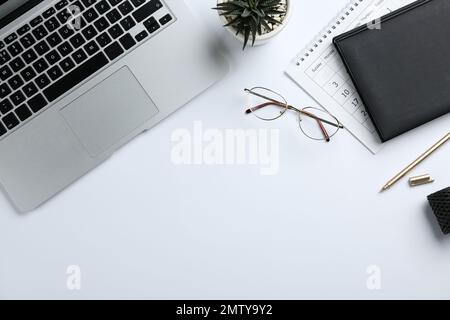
[317, 124]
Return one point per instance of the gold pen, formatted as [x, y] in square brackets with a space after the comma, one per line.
[416, 162]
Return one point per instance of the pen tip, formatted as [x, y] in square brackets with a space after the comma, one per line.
[384, 189]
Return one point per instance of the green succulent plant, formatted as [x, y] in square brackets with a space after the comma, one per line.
[251, 17]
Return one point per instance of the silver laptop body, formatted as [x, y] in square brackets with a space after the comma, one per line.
[99, 92]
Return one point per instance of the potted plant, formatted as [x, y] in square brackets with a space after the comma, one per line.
[255, 20]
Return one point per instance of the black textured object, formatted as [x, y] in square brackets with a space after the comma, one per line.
[409, 51]
[440, 203]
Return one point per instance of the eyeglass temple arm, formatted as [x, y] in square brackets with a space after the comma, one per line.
[262, 105]
[324, 131]
[280, 104]
[306, 113]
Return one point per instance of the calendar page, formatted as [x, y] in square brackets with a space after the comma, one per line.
[320, 72]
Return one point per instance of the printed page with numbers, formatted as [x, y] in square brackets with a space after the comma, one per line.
[318, 69]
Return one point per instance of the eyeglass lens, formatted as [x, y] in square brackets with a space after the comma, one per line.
[266, 104]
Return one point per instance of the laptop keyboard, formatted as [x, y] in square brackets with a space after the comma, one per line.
[65, 45]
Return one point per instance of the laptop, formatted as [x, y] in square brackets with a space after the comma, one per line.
[80, 78]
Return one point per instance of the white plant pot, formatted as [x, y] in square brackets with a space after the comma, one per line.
[264, 38]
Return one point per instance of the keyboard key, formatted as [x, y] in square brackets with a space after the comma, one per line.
[48, 13]
[166, 19]
[17, 64]
[125, 8]
[66, 32]
[89, 32]
[40, 66]
[54, 39]
[54, 72]
[2, 44]
[36, 21]
[103, 39]
[15, 49]
[65, 48]
[113, 16]
[127, 23]
[4, 57]
[28, 74]
[90, 15]
[137, 3]
[29, 56]
[147, 10]
[42, 48]
[23, 113]
[17, 98]
[102, 6]
[10, 38]
[91, 48]
[79, 56]
[88, 3]
[15, 82]
[2, 130]
[77, 23]
[52, 57]
[127, 41]
[115, 2]
[113, 50]
[42, 81]
[30, 89]
[5, 106]
[4, 90]
[77, 7]
[151, 25]
[5, 73]
[63, 16]
[10, 121]
[76, 76]
[67, 64]
[37, 103]
[101, 24]
[61, 4]
[115, 31]
[22, 30]
[77, 41]
[39, 32]
[27, 40]
[52, 24]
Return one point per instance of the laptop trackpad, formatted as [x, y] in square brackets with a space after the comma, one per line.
[109, 112]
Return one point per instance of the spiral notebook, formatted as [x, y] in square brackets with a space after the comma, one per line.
[319, 70]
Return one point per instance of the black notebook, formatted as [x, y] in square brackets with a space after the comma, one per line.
[402, 69]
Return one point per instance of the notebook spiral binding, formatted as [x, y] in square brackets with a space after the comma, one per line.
[325, 33]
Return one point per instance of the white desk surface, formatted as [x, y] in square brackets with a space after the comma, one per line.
[141, 227]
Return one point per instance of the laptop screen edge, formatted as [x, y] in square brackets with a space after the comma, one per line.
[19, 11]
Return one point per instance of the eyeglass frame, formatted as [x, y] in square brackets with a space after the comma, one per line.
[287, 107]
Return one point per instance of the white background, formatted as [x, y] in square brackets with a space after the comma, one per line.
[141, 227]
